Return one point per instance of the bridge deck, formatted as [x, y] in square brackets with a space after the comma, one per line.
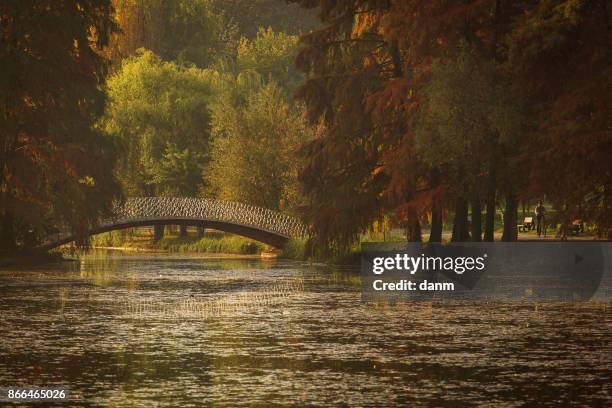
[268, 226]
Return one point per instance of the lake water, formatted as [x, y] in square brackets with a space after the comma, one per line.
[160, 330]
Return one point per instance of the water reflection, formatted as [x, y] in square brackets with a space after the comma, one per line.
[71, 325]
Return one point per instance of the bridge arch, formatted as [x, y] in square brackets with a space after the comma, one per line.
[261, 224]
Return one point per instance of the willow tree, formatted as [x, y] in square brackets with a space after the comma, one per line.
[55, 168]
[256, 131]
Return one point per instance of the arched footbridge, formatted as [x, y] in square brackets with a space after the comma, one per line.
[261, 224]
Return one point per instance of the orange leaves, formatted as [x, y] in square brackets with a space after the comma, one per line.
[396, 99]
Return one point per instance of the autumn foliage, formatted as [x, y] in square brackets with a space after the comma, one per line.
[428, 109]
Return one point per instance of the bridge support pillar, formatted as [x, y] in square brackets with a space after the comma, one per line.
[158, 232]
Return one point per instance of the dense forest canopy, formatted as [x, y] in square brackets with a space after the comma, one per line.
[351, 114]
[430, 108]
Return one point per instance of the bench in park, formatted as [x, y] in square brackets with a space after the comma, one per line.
[576, 227]
[527, 225]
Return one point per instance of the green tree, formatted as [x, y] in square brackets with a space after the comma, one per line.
[468, 114]
[256, 132]
[253, 158]
[55, 169]
[367, 73]
[272, 55]
[159, 113]
[251, 15]
[186, 31]
[178, 172]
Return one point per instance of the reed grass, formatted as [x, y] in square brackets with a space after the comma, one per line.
[230, 244]
[295, 249]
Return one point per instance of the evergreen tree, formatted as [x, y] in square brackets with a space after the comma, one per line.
[55, 169]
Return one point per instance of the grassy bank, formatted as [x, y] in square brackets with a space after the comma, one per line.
[227, 244]
[214, 242]
[297, 249]
[210, 242]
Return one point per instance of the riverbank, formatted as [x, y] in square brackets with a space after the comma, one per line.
[29, 258]
[211, 242]
[153, 252]
[223, 245]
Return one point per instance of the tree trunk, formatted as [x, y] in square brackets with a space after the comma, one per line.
[510, 217]
[7, 232]
[605, 223]
[396, 59]
[436, 224]
[182, 231]
[476, 225]
[158, 232]
[460, 224]
[489, 231]
[436, 210]
[413, 231]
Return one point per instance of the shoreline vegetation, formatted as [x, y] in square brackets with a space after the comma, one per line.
[225, 244]
[210, 242]
[215, 244]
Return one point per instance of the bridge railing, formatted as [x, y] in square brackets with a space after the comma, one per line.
[208, 209]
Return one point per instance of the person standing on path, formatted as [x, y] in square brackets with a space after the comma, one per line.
[540, 212]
